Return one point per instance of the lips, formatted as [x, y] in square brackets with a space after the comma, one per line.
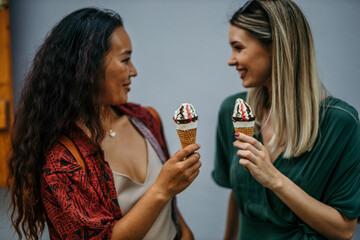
[242, 72]
[127, 86]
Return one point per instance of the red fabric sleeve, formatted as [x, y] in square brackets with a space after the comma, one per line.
[75, 208]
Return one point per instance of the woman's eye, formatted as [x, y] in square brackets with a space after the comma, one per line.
[126, 60]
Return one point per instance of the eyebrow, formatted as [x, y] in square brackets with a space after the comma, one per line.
[234, 42]
[126, 52]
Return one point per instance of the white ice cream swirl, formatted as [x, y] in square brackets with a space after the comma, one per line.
[242, 111]
[185, 114]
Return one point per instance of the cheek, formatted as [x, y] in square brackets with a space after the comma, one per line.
[116, 77]
[267, 68]
[242, 59]
[115, 93]
[263, 65]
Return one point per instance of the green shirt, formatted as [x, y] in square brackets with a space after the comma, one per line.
[330, 173]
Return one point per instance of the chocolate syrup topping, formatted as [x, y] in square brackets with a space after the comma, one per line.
[240, 119]
[182, 120]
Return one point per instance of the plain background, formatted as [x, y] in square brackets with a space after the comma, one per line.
[180, 50]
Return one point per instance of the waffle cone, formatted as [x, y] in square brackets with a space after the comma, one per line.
[247, 131]
[187, 137]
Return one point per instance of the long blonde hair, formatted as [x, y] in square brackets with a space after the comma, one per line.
[296, 89]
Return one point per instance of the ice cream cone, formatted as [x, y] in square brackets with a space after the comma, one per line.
[185, 120]
[243, 118]
[249, 131]
[187, 137]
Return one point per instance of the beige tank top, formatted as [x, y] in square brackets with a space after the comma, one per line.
[129, 192]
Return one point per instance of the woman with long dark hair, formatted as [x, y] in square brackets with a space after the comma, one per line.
[77, 87]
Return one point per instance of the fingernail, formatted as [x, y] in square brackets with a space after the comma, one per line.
[237, 134]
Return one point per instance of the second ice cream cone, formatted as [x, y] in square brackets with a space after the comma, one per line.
[243, 119]
[249, 131]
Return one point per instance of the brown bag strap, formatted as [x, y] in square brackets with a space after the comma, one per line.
[155, 114]
[69, 144]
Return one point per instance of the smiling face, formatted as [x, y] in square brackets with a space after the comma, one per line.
[251, 58]
[118, 68]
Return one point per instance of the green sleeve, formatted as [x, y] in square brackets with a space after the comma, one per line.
[225, 150]
[343, 191]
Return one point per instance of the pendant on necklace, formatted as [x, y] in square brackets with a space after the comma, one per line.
[112, 133]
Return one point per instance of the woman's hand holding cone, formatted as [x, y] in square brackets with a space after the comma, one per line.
[179, 171]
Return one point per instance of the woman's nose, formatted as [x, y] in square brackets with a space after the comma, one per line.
[232, 61]
[133, 72]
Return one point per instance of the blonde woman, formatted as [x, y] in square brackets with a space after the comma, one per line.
[303, 163]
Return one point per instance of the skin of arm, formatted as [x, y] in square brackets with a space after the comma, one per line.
[321, 217]
[175, 176]
[232, 220]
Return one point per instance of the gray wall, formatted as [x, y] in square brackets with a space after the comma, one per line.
[181, 51]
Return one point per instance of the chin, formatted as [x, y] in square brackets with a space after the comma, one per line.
[125, 100]
[122, 102]
[249, 84]
[246, 85]
[119, 101]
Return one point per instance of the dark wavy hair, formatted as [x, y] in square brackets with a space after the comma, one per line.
[65, 84]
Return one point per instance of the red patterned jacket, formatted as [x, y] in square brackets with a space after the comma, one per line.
[77, 203]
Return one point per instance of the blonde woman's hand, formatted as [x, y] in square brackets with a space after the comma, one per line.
[179, 171]
[255, 157]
